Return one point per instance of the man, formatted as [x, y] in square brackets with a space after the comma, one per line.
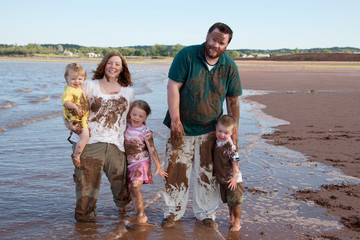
[201, 77]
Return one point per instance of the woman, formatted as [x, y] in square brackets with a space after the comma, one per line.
[109, 94]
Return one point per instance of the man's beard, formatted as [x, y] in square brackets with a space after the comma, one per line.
[218, 53]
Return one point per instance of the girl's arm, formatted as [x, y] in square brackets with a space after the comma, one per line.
[70, 105]
[149, 141]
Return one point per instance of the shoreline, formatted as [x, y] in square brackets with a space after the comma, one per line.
[132, 60]
[322, 105]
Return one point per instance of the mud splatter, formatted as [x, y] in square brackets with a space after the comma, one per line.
[132, 148]
[176, 140]
[204, 179]
[91, 169]
[223, 169]
[107, 112]
[206, 152]
[177, 175]
[84, 206]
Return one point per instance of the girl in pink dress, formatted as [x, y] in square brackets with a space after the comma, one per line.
[139, 148]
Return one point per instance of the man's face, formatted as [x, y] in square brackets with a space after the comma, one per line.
[216, 44]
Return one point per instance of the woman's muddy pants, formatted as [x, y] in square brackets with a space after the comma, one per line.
[195, 152]
[96, 159]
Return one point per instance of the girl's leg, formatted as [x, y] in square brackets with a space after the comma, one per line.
[138, 201]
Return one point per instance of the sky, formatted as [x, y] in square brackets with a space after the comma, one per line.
[257, 24]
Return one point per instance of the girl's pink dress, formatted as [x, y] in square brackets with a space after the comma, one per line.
[137, 155]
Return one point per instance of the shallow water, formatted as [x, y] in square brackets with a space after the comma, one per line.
[38, 195]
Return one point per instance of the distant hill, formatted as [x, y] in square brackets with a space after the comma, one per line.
[311, 57]
[306, 50]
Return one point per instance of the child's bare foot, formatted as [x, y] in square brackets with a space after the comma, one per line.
[235, 226]
[142, 219]
[231, 223]
[76, 160]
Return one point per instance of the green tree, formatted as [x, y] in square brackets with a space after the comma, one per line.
[175, 49]
[233, 54]
[127, 51]
[60, 48]
[106, 51]
[159, 50]
[140, 52]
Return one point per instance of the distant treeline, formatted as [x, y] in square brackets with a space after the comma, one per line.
[72, 50]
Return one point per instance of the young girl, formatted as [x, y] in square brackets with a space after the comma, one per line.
[139, 147]
[76, 106]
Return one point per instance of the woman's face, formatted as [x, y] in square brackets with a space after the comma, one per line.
[113, 68]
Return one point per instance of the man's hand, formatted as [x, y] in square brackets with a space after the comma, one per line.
[177, 131]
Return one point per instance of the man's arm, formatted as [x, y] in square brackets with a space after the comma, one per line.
[173, 98]
[233, 109]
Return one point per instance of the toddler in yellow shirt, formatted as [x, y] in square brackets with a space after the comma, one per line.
[76, 107]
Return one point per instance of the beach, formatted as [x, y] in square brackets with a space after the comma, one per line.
[321, 100]
[299, 159]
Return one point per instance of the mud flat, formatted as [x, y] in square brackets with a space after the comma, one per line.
[321, 101]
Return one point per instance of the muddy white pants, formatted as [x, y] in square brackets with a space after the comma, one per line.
[193, 153]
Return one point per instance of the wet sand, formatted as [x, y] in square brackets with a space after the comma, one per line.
[321, 100]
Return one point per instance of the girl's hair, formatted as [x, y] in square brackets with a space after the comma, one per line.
[142, 105]
[124, 77]
[227, 121]
[76, 68]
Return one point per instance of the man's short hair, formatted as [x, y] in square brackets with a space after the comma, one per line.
[223, 28]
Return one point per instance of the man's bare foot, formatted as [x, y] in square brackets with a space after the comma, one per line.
[142, 219]
[76, 160]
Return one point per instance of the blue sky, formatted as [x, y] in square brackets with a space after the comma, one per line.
[257, 24]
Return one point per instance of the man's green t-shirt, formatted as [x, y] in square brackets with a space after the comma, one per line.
[203, 92]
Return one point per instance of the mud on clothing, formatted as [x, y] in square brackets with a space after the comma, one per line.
[137, 155]
[107, 120]
[224, 154]
[96, 159]
[203, 92]
[77, 96]
[194, 153]
[104, 151]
